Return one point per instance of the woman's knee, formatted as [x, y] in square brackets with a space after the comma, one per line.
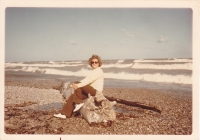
[77, 82]
[89, 89]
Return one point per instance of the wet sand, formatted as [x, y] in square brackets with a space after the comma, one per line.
[30, 105]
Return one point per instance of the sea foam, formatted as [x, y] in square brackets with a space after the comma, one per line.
[186, 66]
[55, 68]
[164, 60]
[40, 65]
[117, 65]
[135, 65]
[182, 79]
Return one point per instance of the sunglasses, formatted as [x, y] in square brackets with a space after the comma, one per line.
[94, 62]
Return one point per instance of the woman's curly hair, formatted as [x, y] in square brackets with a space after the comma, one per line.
[94, 56]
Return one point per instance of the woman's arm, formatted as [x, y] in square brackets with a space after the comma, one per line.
[97, 73]
[85, 79]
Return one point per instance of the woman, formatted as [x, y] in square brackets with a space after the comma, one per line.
[89, 85]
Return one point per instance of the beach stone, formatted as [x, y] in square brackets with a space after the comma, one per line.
[175, 119]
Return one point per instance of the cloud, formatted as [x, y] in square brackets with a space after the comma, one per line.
[72, 42]
[127, 33]
[141, 35]
[162, 39]
[123, 30]
[130, 34]
[121, 42]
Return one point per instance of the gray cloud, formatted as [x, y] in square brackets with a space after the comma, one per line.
[142, 36]
[130, 34]
[72, 42]
[121, 42]
[162, 39]
[127, 33]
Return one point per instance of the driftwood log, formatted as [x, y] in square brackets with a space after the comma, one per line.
[66, 91]
[135, 104]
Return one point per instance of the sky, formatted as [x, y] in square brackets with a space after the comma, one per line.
[61, 34]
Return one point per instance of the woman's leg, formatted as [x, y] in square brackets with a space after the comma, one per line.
[77, 97]
[68, 107]
[88, 89]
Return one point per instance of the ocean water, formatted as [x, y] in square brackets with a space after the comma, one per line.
[163, 74]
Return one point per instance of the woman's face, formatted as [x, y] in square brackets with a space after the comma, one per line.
[95, 63]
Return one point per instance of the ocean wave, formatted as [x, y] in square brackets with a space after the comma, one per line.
[120, 61]
[40, 65]
[136, 65]
[82, 72]
[117, 65]
[182, 79]
[185, 66]
[64, 62]
[164, 60]
[142, 63]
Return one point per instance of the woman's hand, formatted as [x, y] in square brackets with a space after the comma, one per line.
[74, 86]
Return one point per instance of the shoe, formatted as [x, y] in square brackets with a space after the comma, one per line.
[78, 106]
[59, 116]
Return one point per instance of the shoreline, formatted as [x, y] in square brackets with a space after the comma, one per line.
[108, 82]
[25, 102]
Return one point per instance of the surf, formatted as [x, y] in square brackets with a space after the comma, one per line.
[157, 77]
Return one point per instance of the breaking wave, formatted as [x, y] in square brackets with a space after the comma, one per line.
[41, 65]
[183, 79]
[137, 69]
[185, 66]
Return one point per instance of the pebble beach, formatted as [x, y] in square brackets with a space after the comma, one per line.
[30, 105]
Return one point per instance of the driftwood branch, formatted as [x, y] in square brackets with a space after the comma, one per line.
[129, 103]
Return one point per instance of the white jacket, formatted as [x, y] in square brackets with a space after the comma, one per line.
[94, 79]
